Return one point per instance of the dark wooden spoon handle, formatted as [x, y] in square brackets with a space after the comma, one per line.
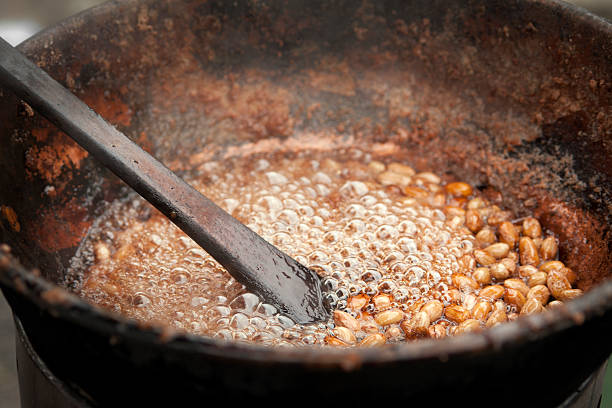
[262, 268]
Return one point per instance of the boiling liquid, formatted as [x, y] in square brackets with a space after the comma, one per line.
[332, 215]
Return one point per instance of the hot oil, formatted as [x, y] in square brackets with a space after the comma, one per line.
[380, 242]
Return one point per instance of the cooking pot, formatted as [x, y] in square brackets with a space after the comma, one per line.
[512, 96]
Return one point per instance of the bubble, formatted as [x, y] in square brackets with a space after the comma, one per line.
[285, 322]
[387, 286]
[270, 203]
[355, 226]
[329, 284]
[330, 300]
[414, 275]
[321, 178]
[246, 302]
[266, 309]
[356, 211]
[261, 164]
[239, 321]
[282, 239]
[230, 204]
[368, 200]
[322, 190]
[275, 178]
[332, 237]
[305, 211]
[141, 300]
[224, 334]
[198, 301]
[288, 217]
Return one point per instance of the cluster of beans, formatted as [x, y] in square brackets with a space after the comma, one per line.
[402, 255]
[513, 270]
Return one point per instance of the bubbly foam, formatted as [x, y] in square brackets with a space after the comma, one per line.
[362, 236]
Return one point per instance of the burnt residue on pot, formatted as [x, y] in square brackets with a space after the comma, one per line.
[513, 97]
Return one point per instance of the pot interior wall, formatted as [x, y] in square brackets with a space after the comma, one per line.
[511, 96]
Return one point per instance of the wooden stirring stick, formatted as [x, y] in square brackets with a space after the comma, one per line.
[265, 270]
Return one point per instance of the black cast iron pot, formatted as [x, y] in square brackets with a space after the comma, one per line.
[513, 96]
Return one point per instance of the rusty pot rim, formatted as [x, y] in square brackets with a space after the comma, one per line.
[28, 284]
[63, 305]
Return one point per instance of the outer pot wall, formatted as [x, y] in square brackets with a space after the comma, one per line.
[512, 96]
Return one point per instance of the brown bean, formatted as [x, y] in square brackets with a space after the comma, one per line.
[438, 200]
[454, 211]
[508, 233]
[456, 313]
[467, 326]
[389, 178]
[483, 258]
[476, 203]
[434, 309]
[334, 341]
[557, 283]
[464, 282]
[497, 316]
[401, 169]
[393, 332]
[369, 326]
[481, 310]
[388, 317]
[510, 265]
[344, 319]
[417, 326]
[459, 189]
[415, 192]
[436, 331]
[499, 271]
[492, 292]
[468, 262]
[515, 298]
[532, 227]
[498, 250]
[525, 271]
[555, 304]
[454, 295]
[485, 237]
[473, 221]
[538, 278]
[469, 301]
[428, 177]
[551, 266]
[549, 248]
[482, 275]
[570, 294]
[359, 301]
[514, 256]
[499, 305]
[376, 166]
[372, 340]
[517, 284]
[539, 292]
[345, 334]
[497, 217]
[532, 305]
[382, 301]
[528, 252]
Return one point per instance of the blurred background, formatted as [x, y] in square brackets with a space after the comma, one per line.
[20, 19]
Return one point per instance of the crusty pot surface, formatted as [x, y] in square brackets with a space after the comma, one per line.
[512, 96]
